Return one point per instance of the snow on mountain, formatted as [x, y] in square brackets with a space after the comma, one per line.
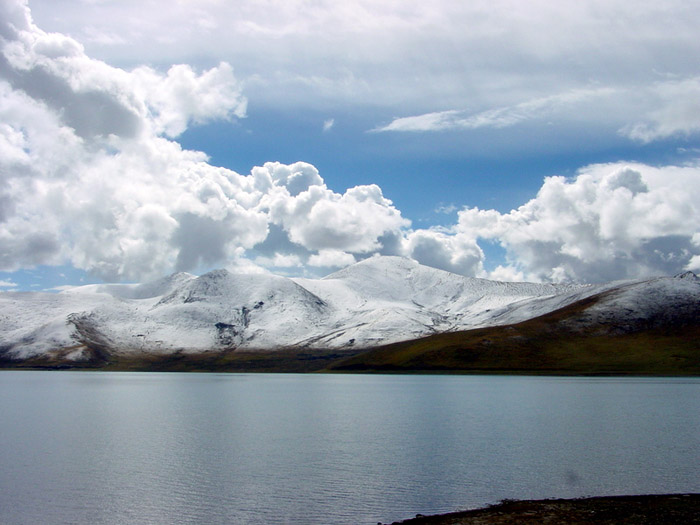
[215, 311]
[668, 302]
[33, 323]
[137, 291]
[376, 301]
[388, 299]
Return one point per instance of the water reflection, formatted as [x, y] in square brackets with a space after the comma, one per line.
[216, 448]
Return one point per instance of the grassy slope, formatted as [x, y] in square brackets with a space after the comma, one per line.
[544, 345]
[215, 361]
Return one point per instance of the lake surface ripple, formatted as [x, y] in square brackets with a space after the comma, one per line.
[112, 448]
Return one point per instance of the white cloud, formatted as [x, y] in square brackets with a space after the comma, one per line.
[674, 110]
[89, 178]
[295, 178]
[7, 284]
[446, 209]
[456, 253]
[89, 175]
[241, 264]
[61, 288]
[182, 96]
[694, 263]
[320, 219]
[506, 274]
[85, 175]
[328, 124]
[280, 260]
[402, 56]
[567, 105]
[435, 121]
[611, 221]
[331, 259]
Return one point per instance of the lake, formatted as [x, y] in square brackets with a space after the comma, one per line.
[98, 447]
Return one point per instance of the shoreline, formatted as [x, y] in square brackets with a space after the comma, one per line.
[272, 369]
[650, 509]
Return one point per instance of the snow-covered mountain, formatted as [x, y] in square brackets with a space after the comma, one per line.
[377, 301]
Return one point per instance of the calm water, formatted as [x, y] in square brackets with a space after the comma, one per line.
[91, 447]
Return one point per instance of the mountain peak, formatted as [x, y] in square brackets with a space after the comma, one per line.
[687, 275]
[376, 301]
[380, 263]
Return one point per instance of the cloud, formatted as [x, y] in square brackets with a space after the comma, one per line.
[446, 209]
[295, 178]
[183, 97]
[552, 74]
[331, 259]
[399, 58]
[559, 105]
[61, 288]
[674, 110]
[90, 175]
[96, 100]
[455, 253]
[88, 178]
[7, 284]
[611, 221]
[280, 260]
[320, 219]
[435, 121]
[694, 263]
[328, 124]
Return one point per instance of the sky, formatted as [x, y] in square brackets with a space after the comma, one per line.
[540, 141]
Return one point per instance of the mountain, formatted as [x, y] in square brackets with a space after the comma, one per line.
[230, 321]
[649, 327]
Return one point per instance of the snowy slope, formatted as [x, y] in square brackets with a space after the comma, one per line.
[379, 300]
[668, 302]
[33, 323]
[387, 299]
[215, 311]
[137, 291]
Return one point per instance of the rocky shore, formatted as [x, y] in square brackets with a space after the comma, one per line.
[637, 510]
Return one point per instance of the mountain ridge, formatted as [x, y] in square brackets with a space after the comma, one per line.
[377, 302]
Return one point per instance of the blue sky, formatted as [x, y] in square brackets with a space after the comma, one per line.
[547, 142]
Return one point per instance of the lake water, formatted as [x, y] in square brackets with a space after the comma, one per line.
[95, 447]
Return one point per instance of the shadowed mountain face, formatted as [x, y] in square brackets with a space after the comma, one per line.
[431, 320]
[647, 327]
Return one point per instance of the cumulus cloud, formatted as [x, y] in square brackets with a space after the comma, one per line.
[320, 219]
[611, 221]
[331, 259]
[90, 175]
[445, 250]
[95, 100]
[182, 96]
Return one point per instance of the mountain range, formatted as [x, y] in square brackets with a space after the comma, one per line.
[354, 319]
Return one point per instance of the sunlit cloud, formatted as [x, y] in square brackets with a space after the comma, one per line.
[91, 173]
[611, 221]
